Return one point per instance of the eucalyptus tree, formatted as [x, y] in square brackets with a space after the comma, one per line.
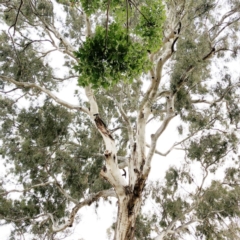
[137, 64]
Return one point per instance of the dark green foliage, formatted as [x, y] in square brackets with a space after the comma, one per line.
[232, 175]
[172, 209]
[190, 71]
[144, 227]
[190, 56]
[43, 150]
[75, 23]
[150, 24]
[45, 125]
[213, 206]
[45, 8]
[91, 7]
[105, 59]
[218, 203]
[19, 209]
[233, 111]
[113, 54]
[211, 149]
[39, 128]
[7, 108]
[17, 62]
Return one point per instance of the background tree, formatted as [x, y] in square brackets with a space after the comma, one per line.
[140, 64]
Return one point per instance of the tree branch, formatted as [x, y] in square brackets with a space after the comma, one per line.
[225, 16]
[50, 27]
[62, 190]
[126, 120]
[106, 34]
[25, 189]
[229, 88]
[154, 137]
[46, 91]
[21, 219]
[15, 22]
[65, 78]
[174, 145]
[111, 171]
[88, 201]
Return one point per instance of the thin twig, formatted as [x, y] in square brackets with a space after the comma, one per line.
[127, 18]
[10, 90]
[138, 10]
[108, 7]
[14, 24]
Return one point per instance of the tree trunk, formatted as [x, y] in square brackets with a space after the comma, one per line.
[129, 194]
[128, 209]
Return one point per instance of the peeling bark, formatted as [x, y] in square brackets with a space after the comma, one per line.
[102, 126]
[128, 209]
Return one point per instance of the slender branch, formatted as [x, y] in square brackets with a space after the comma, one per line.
[25, 189]
[12, 90]
[46, 91]
[88, 201]
[33, 41]
[195, 101]
[51, 37]
[185, 225]
[151, 93]
[14, 48]
[126, 119]
[228, 89]
[127, 18]
[50, 27]
[228, 14]
[209, 54]
[199, 190]
[46, 53]
[154, 137]
[164, 93]
[138, 10]
[21, 219]
[65, 78]
[62, 190]
[21, 96]
[175, 144]
[170, 229]
[106, 35]
[167, 152]
[15, 22]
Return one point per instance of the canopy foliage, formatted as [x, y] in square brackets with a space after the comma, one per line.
[136, 68]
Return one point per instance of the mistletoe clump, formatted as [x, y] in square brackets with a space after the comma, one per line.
[110, 56]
